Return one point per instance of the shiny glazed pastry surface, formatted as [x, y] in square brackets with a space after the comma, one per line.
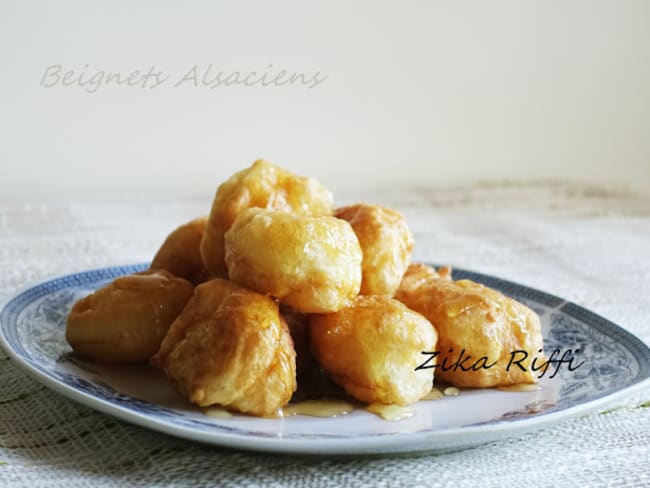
[416, 275]
[180, 253]
[312, 264]
[242, 357]
[125, 321]
[386, 243]
[205, 301]
[262, 185]
[476, 321]
[372, 349]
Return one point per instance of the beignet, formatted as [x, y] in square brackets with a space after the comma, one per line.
[205, 301]
[312, 264]
[241, 358]
[481, 322]
[125, 321]
[386, 243]
[372, 349]
[263, 185]
[180, 253]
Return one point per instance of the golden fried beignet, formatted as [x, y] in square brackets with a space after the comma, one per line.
[241, 358]
[417, 274]
[312, 264]
[180, 253]
[475, 321]
[207, 298]
[386, 243]
[372, 349]
[125, 321]
[263, 185]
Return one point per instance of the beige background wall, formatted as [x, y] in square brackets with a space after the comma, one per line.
[415, 92]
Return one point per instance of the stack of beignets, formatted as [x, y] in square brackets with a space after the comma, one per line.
[273, 270]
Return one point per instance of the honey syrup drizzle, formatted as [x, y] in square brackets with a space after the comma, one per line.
[318, 408]
[335, 407]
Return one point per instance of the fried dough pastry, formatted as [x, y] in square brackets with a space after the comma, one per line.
[312, 264]
[180, 253]
[205, 301]
[125, 321]
[475, 321]
[372, 349]
[241, 358]
[263, 185]
[386, 242]
[417, 274]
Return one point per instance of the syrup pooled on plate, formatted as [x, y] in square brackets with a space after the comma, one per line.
[318, 408]
[434, 394]
[217, 412]
[390, 412]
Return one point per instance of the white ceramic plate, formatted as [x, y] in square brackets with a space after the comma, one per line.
[614, 363]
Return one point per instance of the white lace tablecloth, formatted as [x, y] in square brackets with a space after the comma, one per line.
[587, 244]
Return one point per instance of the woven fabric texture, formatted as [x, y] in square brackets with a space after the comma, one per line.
[587, 244]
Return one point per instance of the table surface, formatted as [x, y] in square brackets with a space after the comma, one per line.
[588, 244]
